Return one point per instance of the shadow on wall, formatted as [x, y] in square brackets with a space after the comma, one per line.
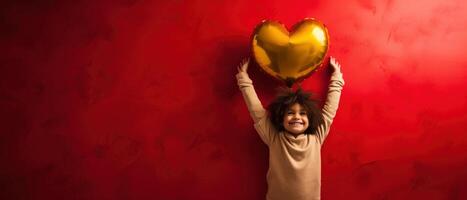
[231, 51]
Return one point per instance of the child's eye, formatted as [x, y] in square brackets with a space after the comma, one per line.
[303, 113]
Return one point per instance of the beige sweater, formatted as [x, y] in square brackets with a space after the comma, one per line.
[294, 163]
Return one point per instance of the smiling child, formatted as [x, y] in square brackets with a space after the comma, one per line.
[294, 129]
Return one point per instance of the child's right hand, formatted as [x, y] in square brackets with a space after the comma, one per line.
[242, 76]
[243, 67]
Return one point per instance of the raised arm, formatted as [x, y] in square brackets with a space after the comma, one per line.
[257, 112]
[259, 115]
[329, 110]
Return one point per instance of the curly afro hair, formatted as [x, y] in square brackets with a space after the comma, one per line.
[285, 98]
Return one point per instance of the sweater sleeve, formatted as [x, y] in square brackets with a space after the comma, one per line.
[259, 115]
[329, 110]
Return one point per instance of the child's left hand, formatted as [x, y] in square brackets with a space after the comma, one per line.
[335, 65]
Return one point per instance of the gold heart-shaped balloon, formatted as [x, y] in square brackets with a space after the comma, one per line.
[290, 57]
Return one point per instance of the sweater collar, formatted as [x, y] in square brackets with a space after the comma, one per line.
[292, 137]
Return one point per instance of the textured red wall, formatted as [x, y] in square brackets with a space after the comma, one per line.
[137, 99]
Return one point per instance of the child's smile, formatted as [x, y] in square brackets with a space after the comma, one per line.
[296, 123]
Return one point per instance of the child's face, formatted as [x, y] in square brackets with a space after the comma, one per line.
[295, 119]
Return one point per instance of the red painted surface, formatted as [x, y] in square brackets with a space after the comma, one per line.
[137, 99]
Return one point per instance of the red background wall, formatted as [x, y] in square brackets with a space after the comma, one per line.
[135, 99]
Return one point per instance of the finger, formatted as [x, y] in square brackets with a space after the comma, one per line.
[245, 65]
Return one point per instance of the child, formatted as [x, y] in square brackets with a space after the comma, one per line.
[294, 131]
